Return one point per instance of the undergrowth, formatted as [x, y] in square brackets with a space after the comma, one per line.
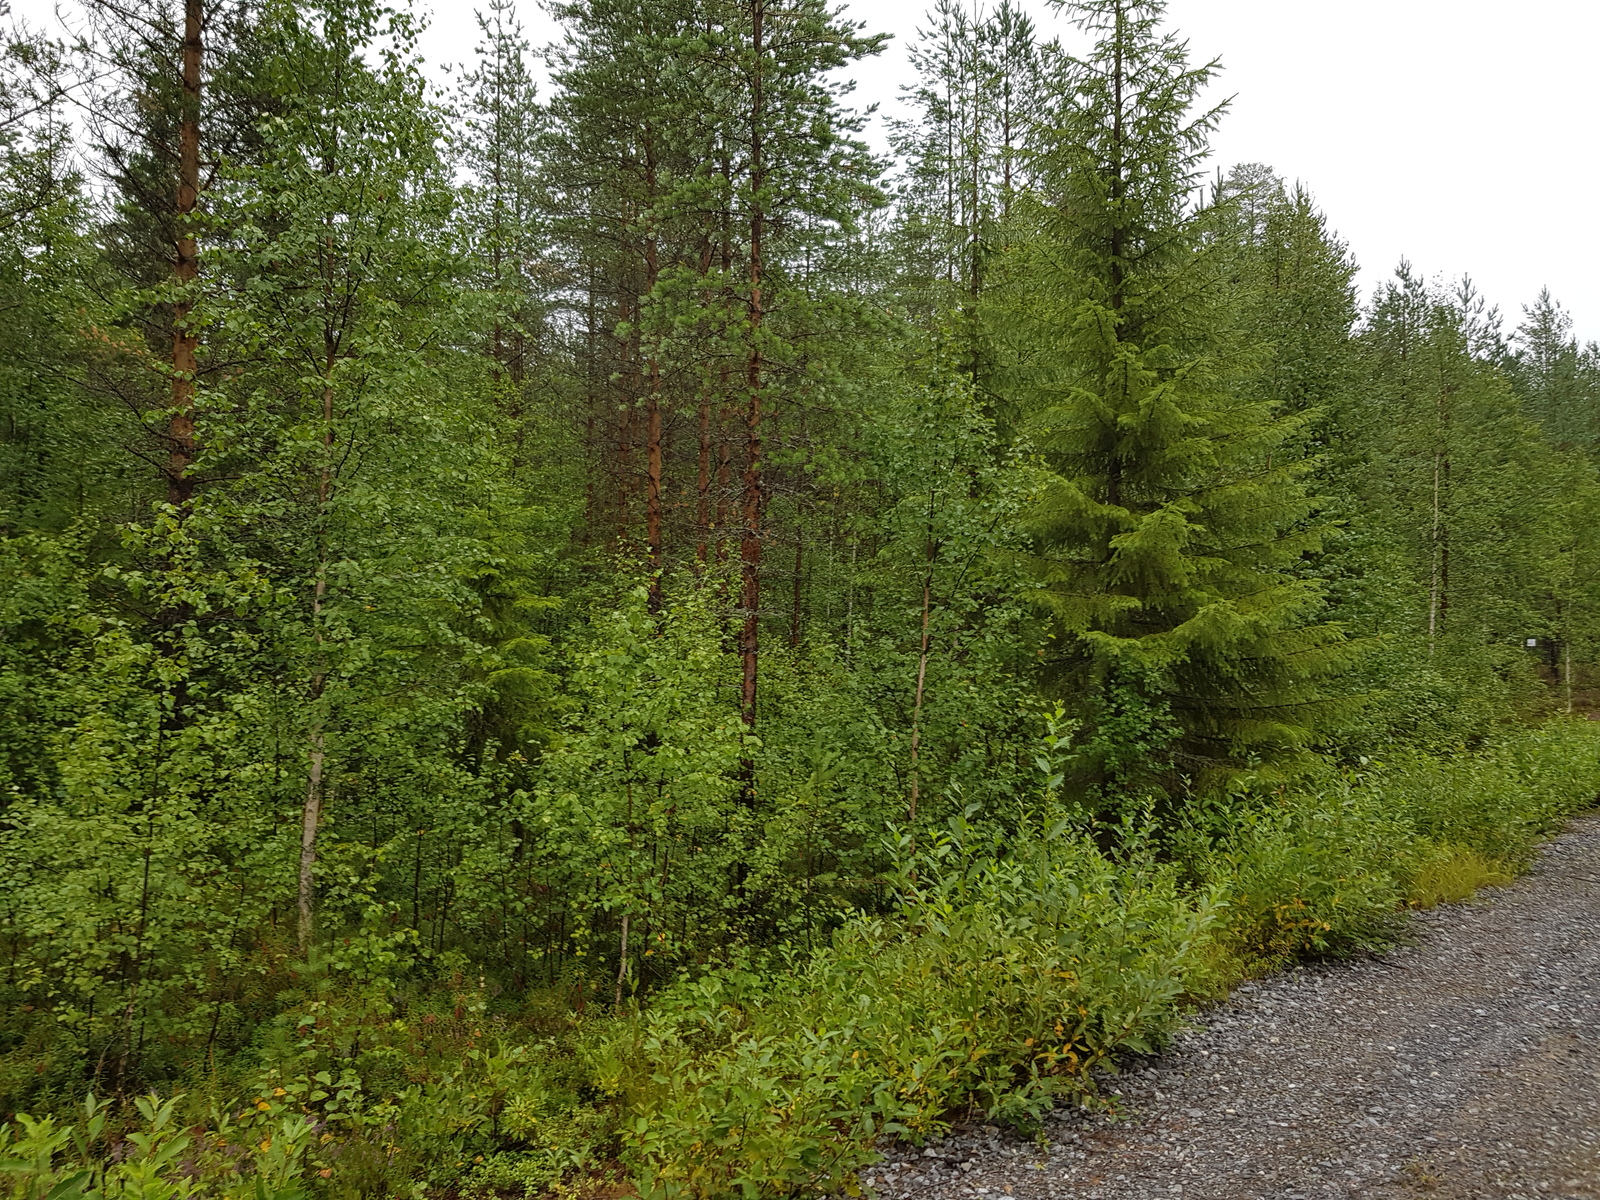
[1006, 976]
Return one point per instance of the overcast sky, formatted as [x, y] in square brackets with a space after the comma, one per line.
[1457, 133]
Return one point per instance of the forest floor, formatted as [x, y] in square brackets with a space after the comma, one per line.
[1464, 1063]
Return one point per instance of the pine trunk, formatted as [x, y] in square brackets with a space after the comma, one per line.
[750, 544]
[702, 511]
[186, 269]
[652, 503]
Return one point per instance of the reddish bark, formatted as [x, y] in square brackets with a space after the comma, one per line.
[186, 269]
[750, 543]
[652, 503]
[702, 512]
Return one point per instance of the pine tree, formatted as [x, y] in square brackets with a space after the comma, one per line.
[799, 169]
[965, 155]
[162, 127]
[503, 127]
[701, 159]
[1168, 531]
[1441, 489]
[1559, 383]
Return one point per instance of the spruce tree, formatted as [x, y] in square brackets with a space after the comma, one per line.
[1166, 535]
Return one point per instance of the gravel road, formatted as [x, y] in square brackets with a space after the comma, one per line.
[1464, 1064]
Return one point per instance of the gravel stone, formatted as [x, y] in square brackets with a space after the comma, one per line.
[1463, 1065]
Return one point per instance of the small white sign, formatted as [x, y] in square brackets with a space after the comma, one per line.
[1533, 642]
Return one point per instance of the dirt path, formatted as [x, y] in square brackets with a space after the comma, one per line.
[1464, 1065]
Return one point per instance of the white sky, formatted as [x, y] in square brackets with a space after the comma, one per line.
[1458, 133]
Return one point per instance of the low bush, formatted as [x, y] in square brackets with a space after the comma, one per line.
[1005, 981]
[1501, 798]
[1311, 871]
[1013, 966]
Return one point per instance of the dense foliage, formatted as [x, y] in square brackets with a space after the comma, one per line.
[618, 636]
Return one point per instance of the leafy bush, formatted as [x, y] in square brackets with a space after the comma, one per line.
[1022, 955]
[159, 1159]
[1323, 868]
[1313, 872]
[1006, 981]
[1503, 797]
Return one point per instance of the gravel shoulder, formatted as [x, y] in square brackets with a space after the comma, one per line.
[1464, 1064]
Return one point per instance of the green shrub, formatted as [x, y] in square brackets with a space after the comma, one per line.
[1503, 797]
[1308, 872]
[1007, 974]
[263, 1148]
[1007, 980]
[1324, 867]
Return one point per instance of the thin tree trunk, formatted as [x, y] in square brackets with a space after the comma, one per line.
[702, 511]
[622, 965]
[310, 819]
[593, 425]
[653, 486]
[185, 342]
[1566, 670]
[724, 414]
[799, 562]
[1439, 591]
[724, 478]
[922, 665]
[624, 454]
[653, 426]
[1434, 575]
[1444, 556]
[702, 487]
[311, 811]
[750, 544]
[850, 607]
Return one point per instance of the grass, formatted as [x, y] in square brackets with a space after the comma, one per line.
[1449, 874]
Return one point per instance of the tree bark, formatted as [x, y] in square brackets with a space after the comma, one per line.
[702, 487]
[750, 543]
[186, 268]
[652, 501]
[311, 811]
[1566, 670]
[1439, 589]
[702, 511]
[922, 666]
[624, 482]
[622, 964]
[653, 486]
[724, 416]
[794, 610]
[310, 821]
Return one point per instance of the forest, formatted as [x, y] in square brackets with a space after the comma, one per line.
[604, 638]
